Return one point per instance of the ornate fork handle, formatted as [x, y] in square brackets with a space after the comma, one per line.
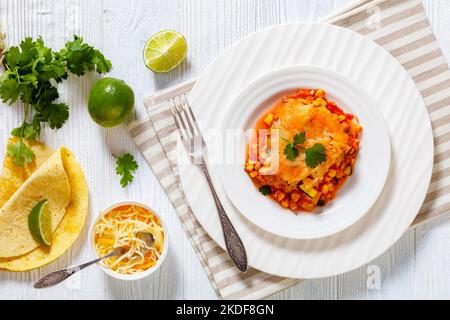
[233, 242]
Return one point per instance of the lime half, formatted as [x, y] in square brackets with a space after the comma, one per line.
[39, 223]
[164, 51]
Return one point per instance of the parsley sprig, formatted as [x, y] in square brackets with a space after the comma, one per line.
[125, 167]
[32, 72]
[314, 155]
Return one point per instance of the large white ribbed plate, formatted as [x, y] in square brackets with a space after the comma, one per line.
[384, 79]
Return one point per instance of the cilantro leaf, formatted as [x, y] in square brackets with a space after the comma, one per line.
[28, 130]
[290, 150]
[44, 53]
[80, 57]
[27, 94]
[9, 90]
[300, 138]
[126, 166]
[103, 65]
[51, 70]
[56, 114]
[265, 189]
[12, 56]
[28, 52]
[20, 153]
[315, 155]
[48, 94]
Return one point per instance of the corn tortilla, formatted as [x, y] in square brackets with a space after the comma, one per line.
[72, 222]
[12, 176]
[49, 182]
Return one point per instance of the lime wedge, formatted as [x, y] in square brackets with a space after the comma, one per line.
[39, 223]
[164, 51]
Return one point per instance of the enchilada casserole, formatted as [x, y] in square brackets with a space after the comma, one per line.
[303, 150]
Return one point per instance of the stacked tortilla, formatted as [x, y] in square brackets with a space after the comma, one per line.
[55, 176]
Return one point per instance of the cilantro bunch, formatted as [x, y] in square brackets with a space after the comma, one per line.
[32, 72]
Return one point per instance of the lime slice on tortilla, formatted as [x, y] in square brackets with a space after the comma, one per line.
[39, 223]
[164, 51]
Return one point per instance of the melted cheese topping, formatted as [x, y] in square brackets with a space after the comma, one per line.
[320, 125]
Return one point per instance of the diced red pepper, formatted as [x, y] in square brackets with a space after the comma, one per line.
[304, 93]
[334, 108]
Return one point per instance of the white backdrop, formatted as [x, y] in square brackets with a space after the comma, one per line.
[418, 266]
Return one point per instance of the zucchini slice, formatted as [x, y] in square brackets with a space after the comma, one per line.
[310, 192]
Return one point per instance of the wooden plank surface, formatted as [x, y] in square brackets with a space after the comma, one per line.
[418, 266]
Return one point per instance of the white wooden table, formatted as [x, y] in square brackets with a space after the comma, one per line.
[418, 266]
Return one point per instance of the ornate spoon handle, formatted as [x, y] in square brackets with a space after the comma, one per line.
[58, 276]
[233, 242]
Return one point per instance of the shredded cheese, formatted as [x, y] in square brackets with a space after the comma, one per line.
[118, 228]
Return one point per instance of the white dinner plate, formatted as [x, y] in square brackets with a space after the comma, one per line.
[388, 84]
[358, 193]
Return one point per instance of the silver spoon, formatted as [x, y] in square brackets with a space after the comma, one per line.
[56, 277]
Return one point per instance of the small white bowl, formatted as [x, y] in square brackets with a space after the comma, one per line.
[139, 275]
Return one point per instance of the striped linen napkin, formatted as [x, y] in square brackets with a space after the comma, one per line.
[401, 27]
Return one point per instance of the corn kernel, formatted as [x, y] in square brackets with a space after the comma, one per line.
[285, 203]
[279, 195]
[320, 93]
[321, 101]
[341, 118]
[325, 188]
[293, 205]
[268, 119]
[253, 174]
[316, 103]
[295, 195]
[249, 167]
[308, 206]
[332, 173]
[348, 171]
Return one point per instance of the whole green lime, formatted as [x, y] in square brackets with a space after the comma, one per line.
[110, 102]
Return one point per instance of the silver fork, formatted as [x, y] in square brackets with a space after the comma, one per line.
[195, 147]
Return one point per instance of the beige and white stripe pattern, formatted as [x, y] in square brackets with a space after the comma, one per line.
[401, 27]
